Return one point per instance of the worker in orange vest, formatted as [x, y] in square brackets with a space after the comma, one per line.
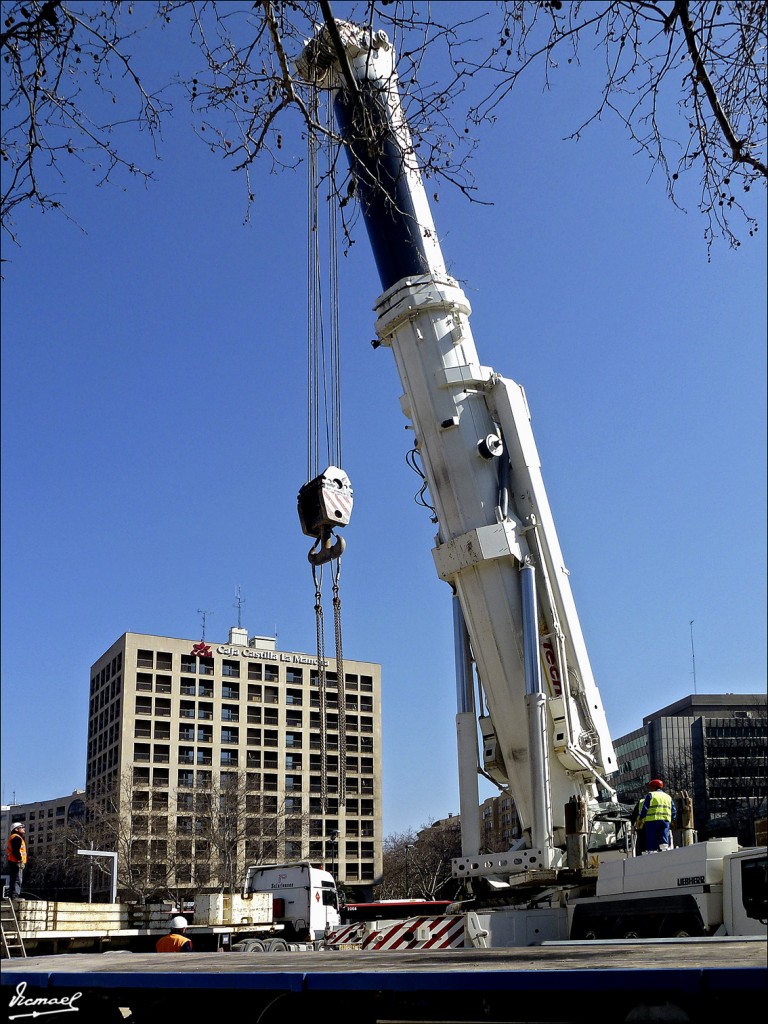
[16, 854]
[176, 940]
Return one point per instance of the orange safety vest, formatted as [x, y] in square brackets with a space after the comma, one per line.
[173, 943]
[22, 857]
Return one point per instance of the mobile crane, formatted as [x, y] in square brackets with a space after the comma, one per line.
[545, 735]
[518, 640]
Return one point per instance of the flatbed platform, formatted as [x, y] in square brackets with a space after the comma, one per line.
[702, 978]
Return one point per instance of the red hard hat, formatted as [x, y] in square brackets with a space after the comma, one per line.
[656, 784]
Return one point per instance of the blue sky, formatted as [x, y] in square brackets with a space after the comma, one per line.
[154, 435]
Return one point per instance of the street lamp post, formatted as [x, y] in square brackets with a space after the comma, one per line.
[408, 846]
[334, 843]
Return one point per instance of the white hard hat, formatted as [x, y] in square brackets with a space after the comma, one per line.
[17, 824]
[178, 922]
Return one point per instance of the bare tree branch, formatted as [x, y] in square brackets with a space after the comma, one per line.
[686, 78]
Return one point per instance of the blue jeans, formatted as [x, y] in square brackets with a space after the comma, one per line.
[16, 872]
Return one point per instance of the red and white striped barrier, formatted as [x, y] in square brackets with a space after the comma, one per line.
[413, 933]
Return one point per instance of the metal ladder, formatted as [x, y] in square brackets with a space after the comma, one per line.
[12, 942]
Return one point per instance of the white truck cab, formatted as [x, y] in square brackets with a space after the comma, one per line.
[304, 898]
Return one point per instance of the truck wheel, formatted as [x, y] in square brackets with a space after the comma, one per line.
[276, 946]
[682, 928]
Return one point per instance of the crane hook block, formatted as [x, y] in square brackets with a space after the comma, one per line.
[325, 502]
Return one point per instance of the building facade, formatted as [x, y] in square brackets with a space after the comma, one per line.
[49, 824]
[711, 745]
[204, 757]
[499, 824]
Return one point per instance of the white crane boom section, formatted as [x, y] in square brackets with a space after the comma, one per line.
[545, 737]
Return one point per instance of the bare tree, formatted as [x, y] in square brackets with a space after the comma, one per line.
[427, 858]
[687, 79]
[395, 860]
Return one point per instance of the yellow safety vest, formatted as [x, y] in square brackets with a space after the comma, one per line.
[659, 808]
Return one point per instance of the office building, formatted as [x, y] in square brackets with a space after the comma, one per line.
[711, 745]
[205, 757]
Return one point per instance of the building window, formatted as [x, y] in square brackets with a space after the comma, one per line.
[229, 758]
[144, 659]
[188, 663]
[230, 668]
[205, 666]
[230, 712]
[254, 671]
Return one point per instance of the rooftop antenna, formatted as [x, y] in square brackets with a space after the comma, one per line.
[239, 602]
[693, 656]
[203, 615]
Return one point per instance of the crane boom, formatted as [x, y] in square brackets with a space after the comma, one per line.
[545, 736]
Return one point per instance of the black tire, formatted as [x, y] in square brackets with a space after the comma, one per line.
[681, 927]
[276, 946]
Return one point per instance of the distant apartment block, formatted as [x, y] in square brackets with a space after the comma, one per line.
[205, 757]
[53, 828]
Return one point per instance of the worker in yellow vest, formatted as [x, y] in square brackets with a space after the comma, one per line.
[176, 940]
[655, 817]
[16, 855]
